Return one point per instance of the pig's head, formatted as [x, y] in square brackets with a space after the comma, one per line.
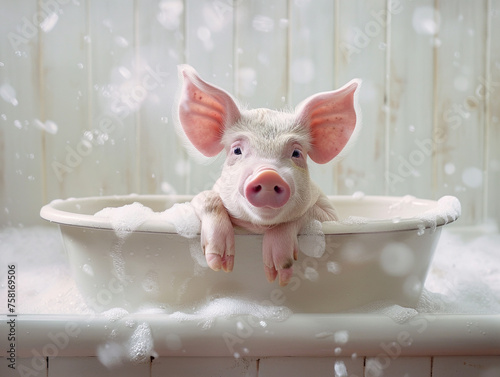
[265, 180]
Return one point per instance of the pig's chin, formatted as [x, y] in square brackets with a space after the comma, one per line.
[265, 216]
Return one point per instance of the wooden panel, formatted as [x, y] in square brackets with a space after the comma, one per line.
[116, 91]
[460, 104]
[209, 45]
[493, 116]
[52, 141]
[362, 48]
[92, 367]
[65, 95]
[466, 366]
[21, 141]
[262, 53]
[312, 43]
[24, 367]
[311, 65]
[411, 99]
[393, 366]
[310, 366]
[205, 366]
[160, 40]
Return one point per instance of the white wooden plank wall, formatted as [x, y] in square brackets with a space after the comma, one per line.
[87, 87]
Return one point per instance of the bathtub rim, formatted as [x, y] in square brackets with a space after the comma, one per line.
[57, 211]
[431, 335]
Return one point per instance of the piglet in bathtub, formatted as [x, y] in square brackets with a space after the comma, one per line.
[265, 185]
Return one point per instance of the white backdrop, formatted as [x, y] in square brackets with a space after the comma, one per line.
[87, 87]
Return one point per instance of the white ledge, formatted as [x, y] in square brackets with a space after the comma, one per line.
[299, 335]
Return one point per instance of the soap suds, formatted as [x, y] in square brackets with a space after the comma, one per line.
[464, 276]
[447, 210]
[183, 217]
[127, 218]
[397, 313]
[137, 349]
[140, 345]
[130, 217]
[227, 307]
[312, 239]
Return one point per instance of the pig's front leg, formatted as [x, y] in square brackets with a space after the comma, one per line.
[217, 232]
[280, 245]
[279, 250]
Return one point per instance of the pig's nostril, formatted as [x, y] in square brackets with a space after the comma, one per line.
[267, 189]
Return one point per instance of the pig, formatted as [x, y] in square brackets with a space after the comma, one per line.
[265, 185]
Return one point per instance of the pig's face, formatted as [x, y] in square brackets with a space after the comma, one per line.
[265, 179]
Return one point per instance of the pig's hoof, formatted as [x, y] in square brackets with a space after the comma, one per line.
[228, 263]
[271, 273]
[285, 275]
[216, 262]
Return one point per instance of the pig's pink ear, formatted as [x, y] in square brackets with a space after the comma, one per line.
[331, 118]
[204, 111]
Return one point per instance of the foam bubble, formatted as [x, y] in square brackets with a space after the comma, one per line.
[355, 252]
[341, 336]
[373, 367]
[472, 177]
[198, 256]
[110, 354]
[340, 369]
[150, 283]
[448, 209]
[115, 314]
[311, 274]
[47, 126]
[247, 80]
[354, 220]
[127, 218]
[263, 23]
[88, 269]
[130, 217]
[333, 267]
[302, 71]
[397, 313]
[140, 345]
[184, 219]
[449, 168]
[425, 20]
[358, 195]
[312, 240]
[170, 14]
[396, 259]
[227, 307]
[8, 94]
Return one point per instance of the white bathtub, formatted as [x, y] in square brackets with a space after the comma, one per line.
[380, 250]
[306, 343]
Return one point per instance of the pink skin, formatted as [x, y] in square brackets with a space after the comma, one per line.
[266, 188]
[265, 185]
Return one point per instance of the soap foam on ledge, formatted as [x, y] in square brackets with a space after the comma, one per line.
[127, 218]
[227, 307]
[448, 209]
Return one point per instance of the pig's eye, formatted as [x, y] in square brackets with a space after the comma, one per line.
[295, 153]
[237, 151]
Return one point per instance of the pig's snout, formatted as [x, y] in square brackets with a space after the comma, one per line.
[267, 189]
